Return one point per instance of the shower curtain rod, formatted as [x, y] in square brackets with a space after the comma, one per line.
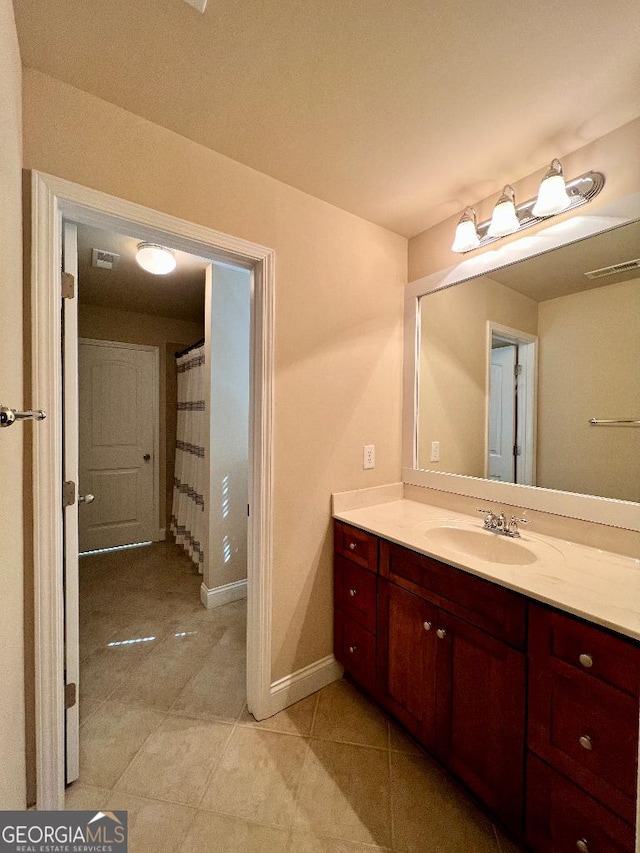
[189, 348]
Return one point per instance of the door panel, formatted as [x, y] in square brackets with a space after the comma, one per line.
[118, 426]
[502, 414]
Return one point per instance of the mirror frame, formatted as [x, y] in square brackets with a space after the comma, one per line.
[609, 511]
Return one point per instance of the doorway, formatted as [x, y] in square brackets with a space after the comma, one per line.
[511, 405]
[52, 199]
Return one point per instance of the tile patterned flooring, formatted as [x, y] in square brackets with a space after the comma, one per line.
[165, 733]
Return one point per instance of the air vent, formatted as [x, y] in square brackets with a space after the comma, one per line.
[104, 260]
[627, 266]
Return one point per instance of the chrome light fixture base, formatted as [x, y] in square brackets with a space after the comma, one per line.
[581, 190]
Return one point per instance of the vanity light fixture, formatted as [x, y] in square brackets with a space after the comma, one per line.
[158, 260]
[555, 196]
[552, 195]
[504, 219]
[466, 237]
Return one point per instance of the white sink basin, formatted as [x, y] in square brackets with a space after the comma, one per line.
[483, 545]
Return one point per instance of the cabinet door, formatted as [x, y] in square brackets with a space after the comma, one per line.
[407, 659]
[480, 728]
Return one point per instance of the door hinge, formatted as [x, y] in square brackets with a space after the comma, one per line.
[517, 450]
[70, 693]
[517, 369]
[68, 286]
[68, 493]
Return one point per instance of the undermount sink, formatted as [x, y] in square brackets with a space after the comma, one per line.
[484, 545]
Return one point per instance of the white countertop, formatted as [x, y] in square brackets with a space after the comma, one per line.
[596, 585]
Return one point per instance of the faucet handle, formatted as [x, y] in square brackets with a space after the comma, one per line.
[490, 517]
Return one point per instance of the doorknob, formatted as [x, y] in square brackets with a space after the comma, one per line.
[147, 457]
[86, 499]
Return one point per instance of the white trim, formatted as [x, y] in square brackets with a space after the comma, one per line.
[219, 595]
[155, 405]
[300, 684]
[616, 513]
[51, 199]
[162, 535]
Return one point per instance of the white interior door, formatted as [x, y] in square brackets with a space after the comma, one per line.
[502, 413]
[118, 443]
[70, 474]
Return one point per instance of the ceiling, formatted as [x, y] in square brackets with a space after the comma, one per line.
[179, 294]
[400, 111]
[562, 271]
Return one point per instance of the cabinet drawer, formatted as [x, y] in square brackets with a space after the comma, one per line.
[563, 819]
[359, 654]
[356, 593]
[492, 608]
[610, 659]
[356, 545]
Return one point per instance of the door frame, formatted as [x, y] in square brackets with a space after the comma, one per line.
[160, 533]
[527, 403]
[51, 199]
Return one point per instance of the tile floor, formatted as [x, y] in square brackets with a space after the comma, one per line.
[165, 734]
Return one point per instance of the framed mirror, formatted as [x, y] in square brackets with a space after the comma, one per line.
[524, 384]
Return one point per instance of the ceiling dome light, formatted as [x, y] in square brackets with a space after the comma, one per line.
[155, 259]
[467, 237]
[552, 195]
[504, 219]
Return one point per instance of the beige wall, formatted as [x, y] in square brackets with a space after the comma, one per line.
[169, 335]
[453, 367]
[12, 726]
[589, 359]
[338, 344]
[615, 155]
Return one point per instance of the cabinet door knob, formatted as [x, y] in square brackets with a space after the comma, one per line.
[582, 845]
[441, 633]
[426, 626]
[352, 591]
[352, 546]
[586, 661]
[352, 649]
[586, 742]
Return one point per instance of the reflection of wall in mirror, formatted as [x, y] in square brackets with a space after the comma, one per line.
[453, 364]
[589, 367]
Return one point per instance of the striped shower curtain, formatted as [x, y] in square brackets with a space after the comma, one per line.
[188, 516]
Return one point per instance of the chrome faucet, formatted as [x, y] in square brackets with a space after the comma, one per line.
[500, 524]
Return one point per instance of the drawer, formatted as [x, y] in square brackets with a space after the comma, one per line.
[359, 654]
[563, 819]
[500, 612]
[356, 545]
[604, 656]
[356, 593]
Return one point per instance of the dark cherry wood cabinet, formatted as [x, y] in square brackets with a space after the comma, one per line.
[534, 710]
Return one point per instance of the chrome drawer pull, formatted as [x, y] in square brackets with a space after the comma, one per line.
[352, 546]
[353, 649]
[586, 742]
[582, 845]
[441, 633]
[586, 661]
[426, 626]
[352, 591]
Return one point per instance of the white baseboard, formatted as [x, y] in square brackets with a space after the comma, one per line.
[162, 534]
[220, 595]
[292, 688]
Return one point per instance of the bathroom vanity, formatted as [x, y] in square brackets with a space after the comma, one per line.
[515, 663]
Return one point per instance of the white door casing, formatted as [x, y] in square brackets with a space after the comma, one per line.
[502, 411]
[119, 421]
[51, 198]
[70, 463]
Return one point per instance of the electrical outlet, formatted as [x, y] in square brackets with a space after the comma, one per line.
[369, 456]
[435, 451]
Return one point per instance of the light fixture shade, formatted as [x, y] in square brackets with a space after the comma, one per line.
[552, 195]
[504, 219]
[155, 259]
[466, 237]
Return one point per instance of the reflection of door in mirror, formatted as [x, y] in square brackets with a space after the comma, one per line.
[511, 405]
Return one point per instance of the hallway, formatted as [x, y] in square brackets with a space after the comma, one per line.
[166, 735]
